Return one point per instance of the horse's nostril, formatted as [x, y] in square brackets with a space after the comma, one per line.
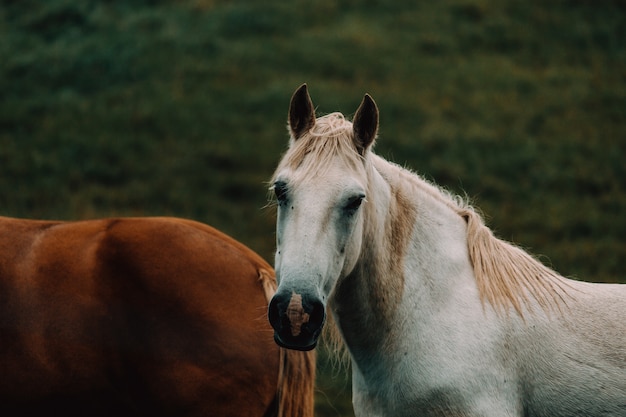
[273, 313]
[316, 316]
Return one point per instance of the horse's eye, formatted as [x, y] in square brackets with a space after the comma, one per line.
[280, 190]
[354, 203]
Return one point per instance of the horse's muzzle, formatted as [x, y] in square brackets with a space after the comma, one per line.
[297, 320]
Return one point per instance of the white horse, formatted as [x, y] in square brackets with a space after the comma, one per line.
[440, 317]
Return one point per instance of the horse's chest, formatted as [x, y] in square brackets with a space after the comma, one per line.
[401, 394]
[435, 403]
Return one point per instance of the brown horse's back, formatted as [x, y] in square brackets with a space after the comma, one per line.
[132, 316]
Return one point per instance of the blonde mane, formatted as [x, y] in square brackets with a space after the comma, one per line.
[506, 275]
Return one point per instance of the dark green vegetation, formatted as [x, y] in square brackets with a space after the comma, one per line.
[179, 108]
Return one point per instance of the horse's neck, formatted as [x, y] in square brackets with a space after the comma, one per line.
[414, 254]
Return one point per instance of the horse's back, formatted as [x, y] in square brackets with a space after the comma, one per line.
[144, 316]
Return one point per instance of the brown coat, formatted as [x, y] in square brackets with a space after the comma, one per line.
[142, 316]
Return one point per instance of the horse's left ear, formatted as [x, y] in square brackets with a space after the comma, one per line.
[365, 124]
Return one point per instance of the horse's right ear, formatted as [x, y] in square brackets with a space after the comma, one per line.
[301, 113]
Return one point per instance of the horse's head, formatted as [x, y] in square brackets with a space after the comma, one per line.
[320, 186]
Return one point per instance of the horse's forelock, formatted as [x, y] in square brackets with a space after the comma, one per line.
[314, 151]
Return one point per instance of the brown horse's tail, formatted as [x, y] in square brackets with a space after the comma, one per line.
[296, 374]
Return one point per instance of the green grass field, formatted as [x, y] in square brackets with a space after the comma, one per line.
[111, 108]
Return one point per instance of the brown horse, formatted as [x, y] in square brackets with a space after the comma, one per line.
[142, 317]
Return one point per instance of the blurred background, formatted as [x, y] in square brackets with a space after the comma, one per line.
[178, 107]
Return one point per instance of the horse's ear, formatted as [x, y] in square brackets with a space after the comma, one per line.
[365, 124]
[301, 113]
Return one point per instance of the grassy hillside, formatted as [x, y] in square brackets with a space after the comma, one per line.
[179, 107]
